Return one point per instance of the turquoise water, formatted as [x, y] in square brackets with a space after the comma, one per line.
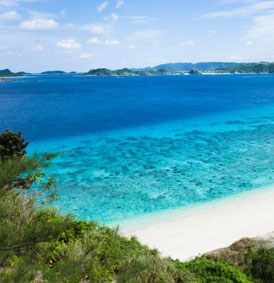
[135, 146]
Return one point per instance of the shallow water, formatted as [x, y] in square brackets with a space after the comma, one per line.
[133, 146]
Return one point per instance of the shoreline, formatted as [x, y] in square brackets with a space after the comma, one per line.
[186, 233]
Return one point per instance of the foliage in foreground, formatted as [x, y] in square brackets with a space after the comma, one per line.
[64, 250]
[40, 245]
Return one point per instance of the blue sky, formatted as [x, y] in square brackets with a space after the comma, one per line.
[38, 35]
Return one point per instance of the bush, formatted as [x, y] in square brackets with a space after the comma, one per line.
[208, 271]
[152, 268]
[262, 264]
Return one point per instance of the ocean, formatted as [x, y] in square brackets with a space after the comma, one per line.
[133, 146]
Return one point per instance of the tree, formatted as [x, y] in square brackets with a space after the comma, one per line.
[12, 145]
[19, 172]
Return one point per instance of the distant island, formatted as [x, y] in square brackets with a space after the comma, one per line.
[187, 67]
[257, 68]
[57, 73]
[166, 69]
[126, 72]
[169, 69]
[7, 73]
[53, 73]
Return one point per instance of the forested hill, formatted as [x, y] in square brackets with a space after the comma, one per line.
[262, 67]
[126, 72]
[202, 66]
[8, 73]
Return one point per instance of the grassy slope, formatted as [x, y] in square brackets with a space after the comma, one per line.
[59, 249]
[43, 246]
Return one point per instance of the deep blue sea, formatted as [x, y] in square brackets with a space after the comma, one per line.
[138, 145]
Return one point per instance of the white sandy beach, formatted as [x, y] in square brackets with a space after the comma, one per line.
[187, 233]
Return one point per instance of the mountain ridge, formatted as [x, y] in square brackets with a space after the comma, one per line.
[187, 66]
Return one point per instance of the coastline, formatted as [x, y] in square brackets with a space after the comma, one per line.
[186, 233]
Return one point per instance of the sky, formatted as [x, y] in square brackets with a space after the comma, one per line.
[70, 35]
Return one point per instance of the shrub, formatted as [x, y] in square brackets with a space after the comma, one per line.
[215, 271]
[152, 268]
[262, 264]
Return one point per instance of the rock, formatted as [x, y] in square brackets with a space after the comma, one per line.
[39, 277]
[195, 72]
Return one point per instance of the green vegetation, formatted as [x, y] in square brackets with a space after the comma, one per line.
[258, 68]
[126, 72]
[186, 67]
[7, 73]
[12, 145]
[211, 271]
[37, 244]
[262, 264]
[254, 257]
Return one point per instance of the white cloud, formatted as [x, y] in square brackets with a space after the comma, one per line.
[187, 43]
[42, 15]
[145, 35]
[68, 44]
[102, 6]
[70, 26]
[38, 48]
[112, 17]
[10, 3]
[131, 46]
[39, 24]
[228, 2]
[260, 33]
[262, 30]
[10, 16]
[245, 10]
[63, 12]
[85, 55]
[119, 3]
[112, 41]
[97, 28]
[140, 19]
[7, 3]
[211, 32]
[93, 40]
[249, 42]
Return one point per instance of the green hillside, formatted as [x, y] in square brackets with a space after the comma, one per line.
[126, 72]
[258, 68]
[202, 66]
[7, 73]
